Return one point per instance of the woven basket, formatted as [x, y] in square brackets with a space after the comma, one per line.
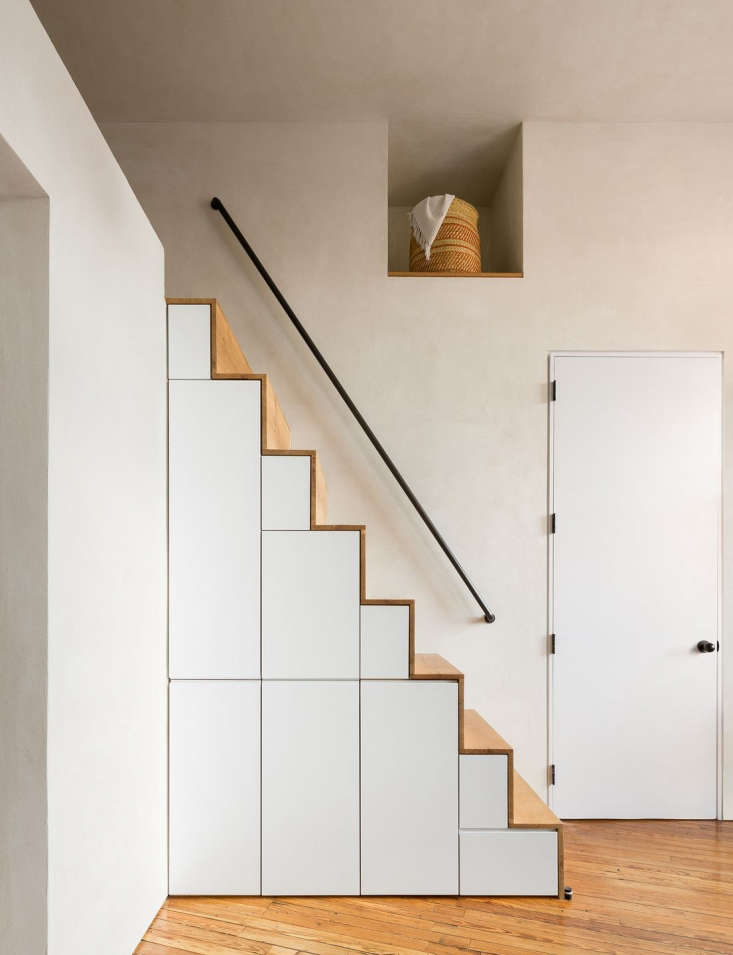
[456, 247]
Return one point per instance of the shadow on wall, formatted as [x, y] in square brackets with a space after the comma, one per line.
[23, 541]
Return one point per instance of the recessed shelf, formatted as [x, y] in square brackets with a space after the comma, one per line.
[456, 275]
[496, 194]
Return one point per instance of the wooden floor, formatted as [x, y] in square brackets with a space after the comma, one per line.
[638, 887]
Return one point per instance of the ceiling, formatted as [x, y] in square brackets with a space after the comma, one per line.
[452, 77]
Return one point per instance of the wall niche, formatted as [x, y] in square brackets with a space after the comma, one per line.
[498, 197]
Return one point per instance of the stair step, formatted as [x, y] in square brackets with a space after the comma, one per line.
[229, 361]
[530, 812]
[317, 483]
[480, 738]
[431, 666]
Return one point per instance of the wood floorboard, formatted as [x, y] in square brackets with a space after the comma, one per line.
[639, 887]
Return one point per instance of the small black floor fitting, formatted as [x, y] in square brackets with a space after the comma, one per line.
[568, 892]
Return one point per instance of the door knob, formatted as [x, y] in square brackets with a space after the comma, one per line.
[705, 646]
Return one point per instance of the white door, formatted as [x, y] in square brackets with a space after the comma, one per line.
[635, 565]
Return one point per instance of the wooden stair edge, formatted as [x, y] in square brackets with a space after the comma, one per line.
[339, 527]
[432, 666]
[529, 811]
[388, 602]
[319, 492]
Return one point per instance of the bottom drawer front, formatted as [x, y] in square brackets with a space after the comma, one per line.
[509, 862]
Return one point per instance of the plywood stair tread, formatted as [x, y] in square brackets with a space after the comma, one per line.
[431, 666]
[530, 811]
[479, 737]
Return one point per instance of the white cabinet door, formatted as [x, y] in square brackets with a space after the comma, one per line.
[189, 341]
[310, 788]
[409, 788]
[286, 492]
[484, 790]
[214, 787]
[385, 642]
[214, 502]
[310, 605]
[509, 862]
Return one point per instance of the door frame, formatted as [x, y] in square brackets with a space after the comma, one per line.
[719, 664]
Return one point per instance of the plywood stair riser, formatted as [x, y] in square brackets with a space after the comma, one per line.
[475, 737]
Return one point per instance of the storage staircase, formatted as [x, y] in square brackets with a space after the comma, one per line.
[312, 751]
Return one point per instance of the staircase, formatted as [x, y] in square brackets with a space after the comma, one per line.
[312, 751]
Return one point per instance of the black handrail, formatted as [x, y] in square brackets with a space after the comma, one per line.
[217, 204]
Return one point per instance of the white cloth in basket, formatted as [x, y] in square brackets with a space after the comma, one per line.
[426, 218]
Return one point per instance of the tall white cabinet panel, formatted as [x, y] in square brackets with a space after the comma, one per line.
[484, 790]
[509, 862]
[310, 788]
[310, 605]
[409, 788]
[385, 642]
[214, 520]
[214, 787]
[189, 341]
[286, 492]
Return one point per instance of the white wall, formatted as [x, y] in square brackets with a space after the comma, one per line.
[106, 753]
[506, 214]
[628, 244]
[23, 564]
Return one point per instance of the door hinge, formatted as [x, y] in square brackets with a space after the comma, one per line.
[553, 390]
[552, 523]
[552, 774]
[552, 643]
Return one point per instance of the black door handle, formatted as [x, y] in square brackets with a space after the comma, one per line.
[705, 646]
